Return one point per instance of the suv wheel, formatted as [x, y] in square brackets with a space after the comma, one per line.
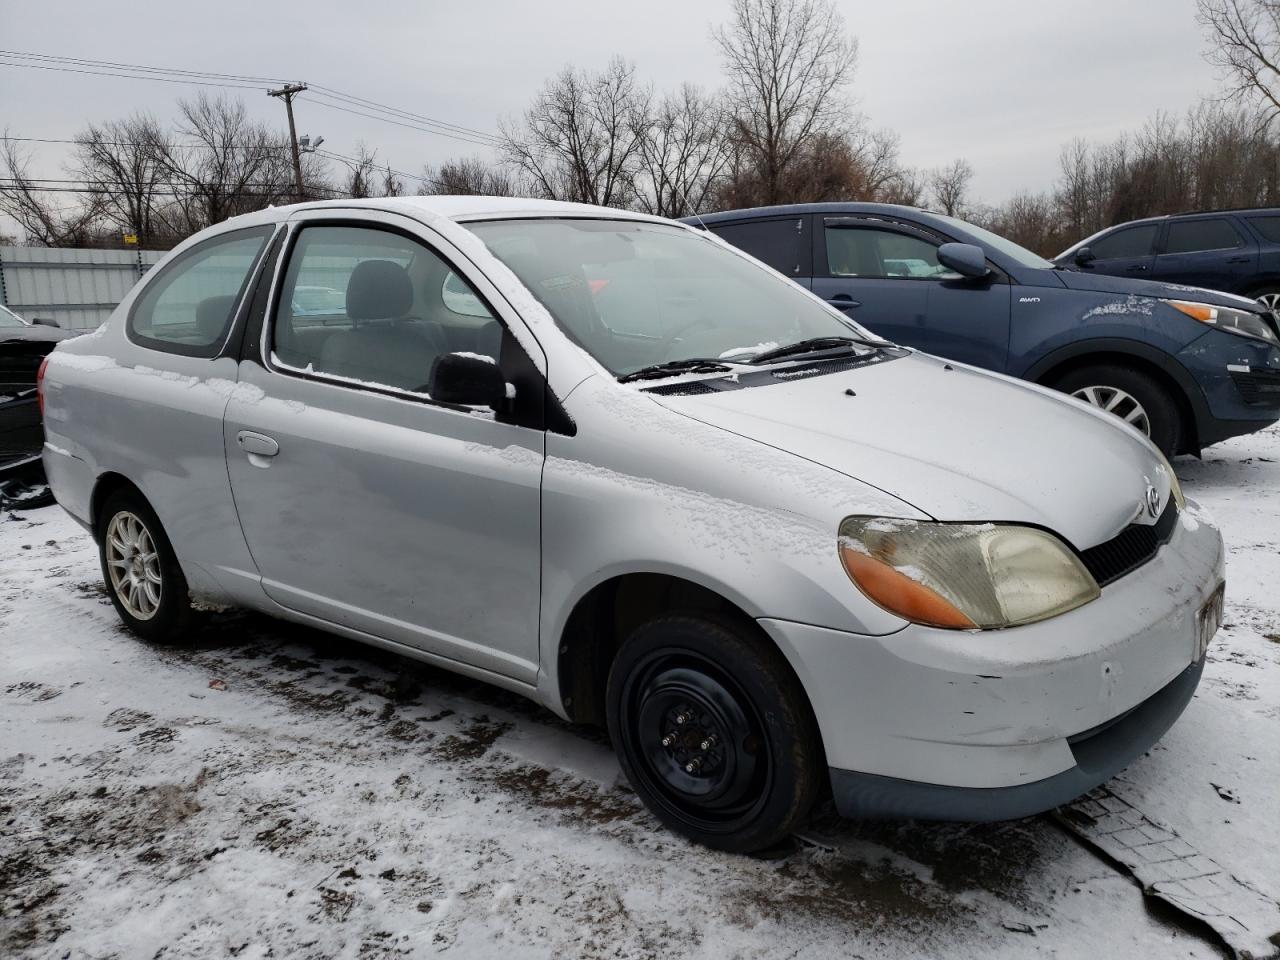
[1269, 297]
[1133, 396]
[714, 732]
[143, 578]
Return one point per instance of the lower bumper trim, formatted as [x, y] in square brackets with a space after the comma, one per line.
[866, 796]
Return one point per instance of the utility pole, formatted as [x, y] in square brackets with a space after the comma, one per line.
[286, 93]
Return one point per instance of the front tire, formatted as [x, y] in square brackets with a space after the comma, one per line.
[714, 732]
[1132, 395]
[143, 578]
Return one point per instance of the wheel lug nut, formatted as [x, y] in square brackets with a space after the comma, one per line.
[707, 744]
[682, 717]
[669, 739]
[693, 766]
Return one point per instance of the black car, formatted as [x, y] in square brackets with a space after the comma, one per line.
[1187, 367]
[1233, 250]
[23, 345]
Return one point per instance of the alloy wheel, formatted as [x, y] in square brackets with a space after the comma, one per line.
[134, 565]
[1116, 401]
[1271, 301]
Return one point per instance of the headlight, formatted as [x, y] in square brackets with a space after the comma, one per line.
[963, 576]
[1175, 485]
[1239, 322]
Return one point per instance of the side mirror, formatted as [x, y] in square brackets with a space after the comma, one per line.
[468, 380]
[45, 322]
[965, 259]
[1084, 256]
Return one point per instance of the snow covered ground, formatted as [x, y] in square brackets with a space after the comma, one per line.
[273, 791]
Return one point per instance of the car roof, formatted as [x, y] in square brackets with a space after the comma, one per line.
[454, 208]
[1240, 211]
[797, 209]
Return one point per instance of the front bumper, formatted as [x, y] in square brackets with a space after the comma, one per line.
[1237, 377]
[997, 710]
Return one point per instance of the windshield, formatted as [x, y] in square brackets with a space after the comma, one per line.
[1010, 249]
[635, 294]
[10, 319]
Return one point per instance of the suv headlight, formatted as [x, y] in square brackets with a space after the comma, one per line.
[963, 576]
[1239, 322]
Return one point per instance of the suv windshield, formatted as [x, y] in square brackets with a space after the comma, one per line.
[634, 294]
[1010, 249]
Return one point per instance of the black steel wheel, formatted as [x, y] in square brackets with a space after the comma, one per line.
[714, 732]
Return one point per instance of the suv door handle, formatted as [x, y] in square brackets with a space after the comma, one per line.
[257, 444]
[842, 301]
[1238, 259]
[1137, 268]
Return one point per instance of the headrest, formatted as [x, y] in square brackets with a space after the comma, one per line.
[212, 316]
[378, 290]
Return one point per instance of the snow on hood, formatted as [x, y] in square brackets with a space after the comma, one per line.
[1103, 283]
[959, 444]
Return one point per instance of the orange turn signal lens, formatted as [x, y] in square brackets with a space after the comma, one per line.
[899, 594]
[1196, 311]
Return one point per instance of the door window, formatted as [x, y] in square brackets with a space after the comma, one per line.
[873, 252]
[1193, 236]
[188, 306]
[1126, 244]
[372, 306]
[1268, 227]
[779, 243]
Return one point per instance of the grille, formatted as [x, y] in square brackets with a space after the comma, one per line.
[1259, 387]
[1130, 548]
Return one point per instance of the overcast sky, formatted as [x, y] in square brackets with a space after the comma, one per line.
[1002, 83]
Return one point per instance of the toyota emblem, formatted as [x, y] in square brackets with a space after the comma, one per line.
[1152, 502]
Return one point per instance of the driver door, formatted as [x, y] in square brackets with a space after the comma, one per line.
[364, 502]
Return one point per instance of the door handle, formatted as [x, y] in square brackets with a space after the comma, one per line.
[257, 444]
[1238, 259]
[843, 301]
[1139, 268]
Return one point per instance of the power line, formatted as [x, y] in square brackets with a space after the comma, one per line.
[381, 111]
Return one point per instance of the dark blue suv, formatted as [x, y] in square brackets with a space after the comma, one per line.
[1188, 367]
[1233, 250]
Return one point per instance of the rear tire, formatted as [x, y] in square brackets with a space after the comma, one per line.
[143, 578]
[1133, 395]
[714, 732]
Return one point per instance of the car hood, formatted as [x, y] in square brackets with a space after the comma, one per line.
[1102, 283]
[957, 443]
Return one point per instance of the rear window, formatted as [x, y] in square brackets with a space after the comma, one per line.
[1268, 227]
[779, 243]
[1192, 236]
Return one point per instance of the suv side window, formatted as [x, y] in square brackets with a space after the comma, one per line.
[1192, 236]
[879, 253]
[187, 308]
[375, 307]
[1267, 227]
[1127, 243]
[779, 243]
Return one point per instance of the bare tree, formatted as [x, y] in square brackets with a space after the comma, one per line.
[119, 159]
[43, 223]
[468, 176]
[234, 165]
[787, 62]
[1246, 46]
[682, 153]
[949, 186]
[578, 141]
[360, 174]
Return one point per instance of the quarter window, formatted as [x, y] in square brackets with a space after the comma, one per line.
[376, 307]
[1192, 236]
[871, 252]
[1125, 244]
[188, 306]
[1269, 227]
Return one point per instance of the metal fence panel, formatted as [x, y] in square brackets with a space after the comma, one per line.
[76, 287]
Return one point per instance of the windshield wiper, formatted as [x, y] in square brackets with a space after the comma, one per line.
[812, 345]
[670, 368]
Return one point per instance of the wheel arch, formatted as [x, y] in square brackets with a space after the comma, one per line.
[1166, 370]
[606, 614]
[107, 484]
